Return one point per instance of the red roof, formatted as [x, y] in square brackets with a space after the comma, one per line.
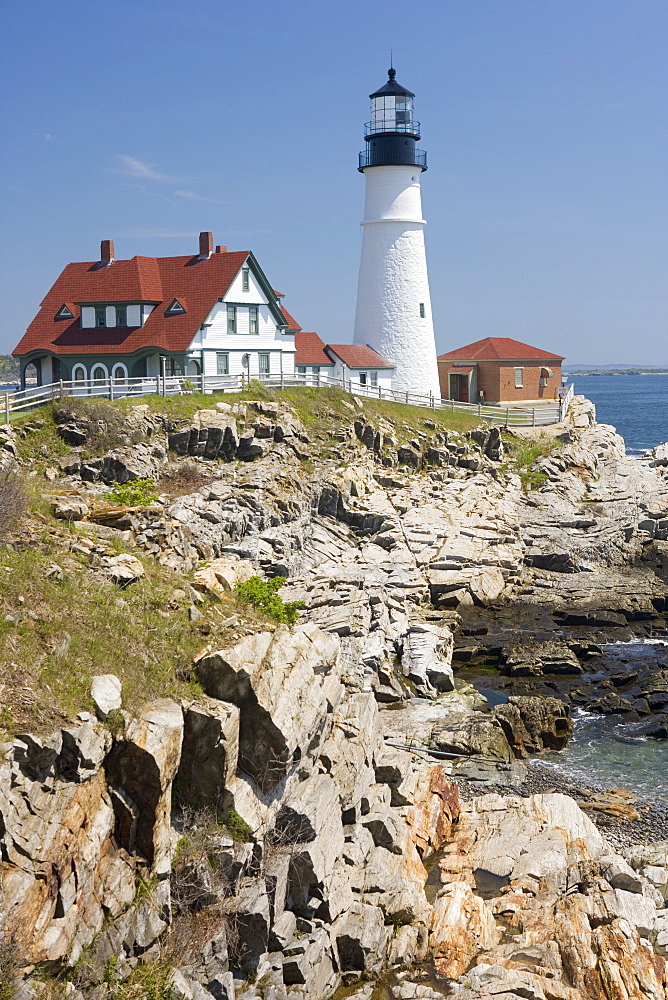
[310, 350]
[293, 325]
[462, 369]
[359, 356]
[496, 349]
[192, 280]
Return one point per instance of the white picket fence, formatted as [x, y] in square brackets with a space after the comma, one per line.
[108, 388]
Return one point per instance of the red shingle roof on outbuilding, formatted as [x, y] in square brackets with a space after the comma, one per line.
[359, 356]
[498, 349]
[310, 350]
[199, 282]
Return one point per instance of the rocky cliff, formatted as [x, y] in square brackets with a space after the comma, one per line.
[287, 811]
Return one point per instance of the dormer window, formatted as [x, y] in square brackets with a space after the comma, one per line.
[121, 315]
[64, 313]
[175, 308]
[100, 315]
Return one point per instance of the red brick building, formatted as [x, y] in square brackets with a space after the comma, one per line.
[500, 370]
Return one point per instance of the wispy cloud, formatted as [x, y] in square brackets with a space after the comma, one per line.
[132, 167]
[193, 196]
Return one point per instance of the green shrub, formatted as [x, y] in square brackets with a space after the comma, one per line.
[238, 828]
[261, 594]
[135, 493]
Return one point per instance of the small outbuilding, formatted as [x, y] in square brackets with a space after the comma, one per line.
[500, 370]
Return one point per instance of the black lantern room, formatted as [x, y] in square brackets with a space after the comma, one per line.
[392, 132]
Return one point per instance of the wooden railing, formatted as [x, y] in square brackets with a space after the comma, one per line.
[14, 403]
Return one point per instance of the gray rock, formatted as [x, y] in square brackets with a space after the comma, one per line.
[106, 692]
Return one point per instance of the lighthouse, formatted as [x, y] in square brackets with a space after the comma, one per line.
[393, 313]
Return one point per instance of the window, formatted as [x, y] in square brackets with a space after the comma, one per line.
[119, 371]
[100, 315]
[422, 310]
[374, 378]
[64, 313]
[263, 364]
[245, 279]
[519, 382]
[175, 307]
[121, 315]
[79, 373]
[222, 363]
[172, 367]
[301, 369]
[362, 378]
[316, 369]
[252, 319]
[231, 319]
[99, 372]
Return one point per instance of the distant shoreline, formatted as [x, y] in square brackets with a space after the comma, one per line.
[620, 371]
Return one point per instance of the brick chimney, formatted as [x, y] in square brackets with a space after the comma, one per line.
[106, 251]
[221, 249]
[205, 244]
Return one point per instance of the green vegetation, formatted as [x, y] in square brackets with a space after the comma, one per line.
[262, 595]
[9, 368]
[525, 452]
[62, 632]
[239, 830]
[137, 492]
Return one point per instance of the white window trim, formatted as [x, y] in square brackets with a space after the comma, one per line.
[75, 369]
[519, 378]
[119, 364]
[98, 364]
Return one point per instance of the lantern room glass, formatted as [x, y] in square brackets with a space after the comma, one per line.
[391, 113]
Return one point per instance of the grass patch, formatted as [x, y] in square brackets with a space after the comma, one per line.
[525, 453]
[62, 632]
[262, 595]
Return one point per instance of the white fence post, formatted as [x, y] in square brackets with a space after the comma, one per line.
[111, 389]
[6, 407]
[507, 414]
[157, 385]
[533, 416]
[202, 384]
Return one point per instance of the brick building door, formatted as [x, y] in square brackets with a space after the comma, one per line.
[459, 388]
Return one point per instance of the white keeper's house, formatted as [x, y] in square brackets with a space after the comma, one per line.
[214, 312]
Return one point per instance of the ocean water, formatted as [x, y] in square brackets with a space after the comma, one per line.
[637, 405]
[604, 752]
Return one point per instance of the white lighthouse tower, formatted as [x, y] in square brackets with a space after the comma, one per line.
[393, 305]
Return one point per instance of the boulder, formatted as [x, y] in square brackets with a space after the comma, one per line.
[141, 767]
[284, 683]
[360, 938]
[106, 691]
[426, 657]
[533, 724]
[69, 509]
[123, 569]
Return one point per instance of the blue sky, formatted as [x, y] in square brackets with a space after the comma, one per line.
[544, 122]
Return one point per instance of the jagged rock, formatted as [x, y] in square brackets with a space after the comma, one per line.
[69, 509]
[221, 575]
[309, 963]
[360, 935]
[462, 926]
[210, 752]
[142, 767]
[472, 735]
[123, 569]
[547, 658]
[426, 658]
[106, 692]
[282, 682]
[534, 724]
